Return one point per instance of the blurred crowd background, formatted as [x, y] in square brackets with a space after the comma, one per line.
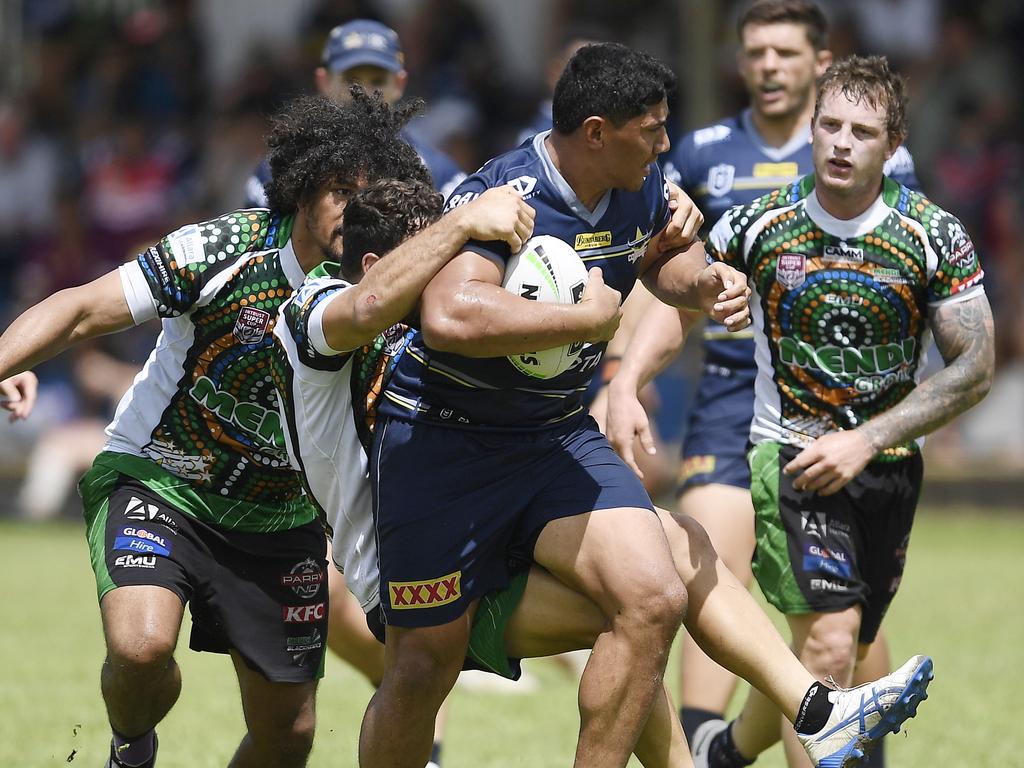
[121, 120]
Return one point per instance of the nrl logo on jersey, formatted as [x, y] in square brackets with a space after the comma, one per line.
[720, 179]
[843, 252]
[251, 325]
[524, 185]
[791, 270]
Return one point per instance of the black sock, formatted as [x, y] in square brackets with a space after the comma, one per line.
[722, 752]
[693, 718]
[137, 750]
[814, 710]
[435, 753]
[876, 757]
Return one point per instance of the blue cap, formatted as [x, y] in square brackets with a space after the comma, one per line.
[362, 42]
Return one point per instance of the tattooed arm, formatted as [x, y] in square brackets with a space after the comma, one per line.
[964, 337]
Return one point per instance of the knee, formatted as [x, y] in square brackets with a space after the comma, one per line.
[830, 649]
[426, 661]
[142, 651]
[660, 608]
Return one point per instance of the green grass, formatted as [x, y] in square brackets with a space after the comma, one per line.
[962, 601]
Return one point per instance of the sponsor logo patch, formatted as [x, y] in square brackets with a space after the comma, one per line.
[772, 170]
[587, 240]
[843, 252]
[145, 545]
[890, 276]
[823, 560]
[961, 249]
[137, 509]
[300, 646]
[187, 246]
[425, 594]
[135, 561]
[524, 185]
[251, 325]
[826, 585]
[305, 578]
[791, 270]
[303, 614]
[720, 179]
[638, 245]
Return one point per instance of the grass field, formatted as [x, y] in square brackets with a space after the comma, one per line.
[962, 601]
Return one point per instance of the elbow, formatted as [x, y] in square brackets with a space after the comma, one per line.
[984, 385]
[444, 333]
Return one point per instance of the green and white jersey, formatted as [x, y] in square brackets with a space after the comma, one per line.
[329, 407]
[839, 307]
[204, 406]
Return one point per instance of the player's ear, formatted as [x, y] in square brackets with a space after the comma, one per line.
[593, 131]
[823, 60]
[368, 260]
[401, 81]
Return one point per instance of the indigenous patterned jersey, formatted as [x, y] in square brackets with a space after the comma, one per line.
[729, 164]
[840, 307]
[204, 406]
[329, 398]
[491, 393]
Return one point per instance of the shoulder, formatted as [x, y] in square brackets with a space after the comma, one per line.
[521, 168]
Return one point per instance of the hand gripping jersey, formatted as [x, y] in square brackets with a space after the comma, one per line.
[729, 164]
[328, 406]
[445, 174]
[204, 406]
[840, 307]
[491, 393]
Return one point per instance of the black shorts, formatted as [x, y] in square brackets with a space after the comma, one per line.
[262, 594]
[824, 554]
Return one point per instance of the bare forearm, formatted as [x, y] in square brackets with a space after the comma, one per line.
[658, 338]
[485, 320]
[59, 322]
[966, 330]
[673, 279]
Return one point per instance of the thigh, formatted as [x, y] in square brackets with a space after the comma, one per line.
[141, 622]
[888, 501]
[727, 514]
[550, 618]
[808, 545]
[265, 596]
[136, 537]
[446, 502]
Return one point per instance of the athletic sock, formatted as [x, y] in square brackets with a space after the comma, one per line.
[138, 750]
[876, 757]
[435, 754]
[722, 752]
[693, 718]
[814, 710]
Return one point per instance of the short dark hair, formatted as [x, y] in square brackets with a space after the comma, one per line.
[611, 81]
[314, 141]
[382, 216]
[868, 79]
[788, 11]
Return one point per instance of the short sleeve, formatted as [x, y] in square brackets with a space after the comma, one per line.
[958, 274]
[725, 242]
[302, 317]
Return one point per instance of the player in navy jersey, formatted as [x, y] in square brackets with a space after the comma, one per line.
[366, 53]
[783, 52]
[498, 469]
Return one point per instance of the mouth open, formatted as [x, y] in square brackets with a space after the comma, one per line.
[839, 164]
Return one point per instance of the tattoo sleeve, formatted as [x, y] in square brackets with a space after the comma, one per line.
[964, 336]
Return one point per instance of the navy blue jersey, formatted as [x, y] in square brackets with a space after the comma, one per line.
[729, 164]
[445, 174]
[491, 393]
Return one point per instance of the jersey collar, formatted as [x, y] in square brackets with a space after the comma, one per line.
[775, 154]
[290, 264]
[564, 190]
[847, 228]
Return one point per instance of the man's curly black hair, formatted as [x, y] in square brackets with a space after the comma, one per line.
[314, 142]
[382, 216]
[608, 80]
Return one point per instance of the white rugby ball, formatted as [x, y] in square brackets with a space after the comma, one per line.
[546, 269]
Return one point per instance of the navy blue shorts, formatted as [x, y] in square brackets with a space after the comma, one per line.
[459, 511]
[715, 443]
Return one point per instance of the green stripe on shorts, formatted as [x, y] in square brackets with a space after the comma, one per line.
[487, 638]
[95, 489]
[771, 565]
